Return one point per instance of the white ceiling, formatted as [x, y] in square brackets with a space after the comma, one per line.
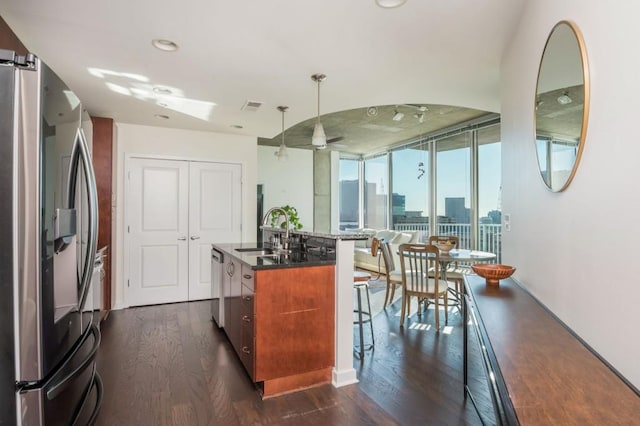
[427, 51]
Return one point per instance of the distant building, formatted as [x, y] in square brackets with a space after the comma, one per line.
[485, 220]
[410, 219]
[349, 201]
[454, 208]
[398, 202]
[496, 216]
[375, 207]
[446, 219]
[413, 213]
[402, 216]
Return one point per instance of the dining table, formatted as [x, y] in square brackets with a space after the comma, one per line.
[461, 255]
[465, 256]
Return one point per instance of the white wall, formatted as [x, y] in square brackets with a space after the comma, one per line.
[577, 250]
[181, 144]
[288, 182]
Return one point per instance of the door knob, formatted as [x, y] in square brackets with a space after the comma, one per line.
[195, 238]
[182, 239]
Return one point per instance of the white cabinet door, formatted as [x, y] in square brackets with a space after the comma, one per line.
[158, 230]
[215, 213]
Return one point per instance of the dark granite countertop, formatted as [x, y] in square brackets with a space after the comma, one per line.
[295, 259]
[333, 235]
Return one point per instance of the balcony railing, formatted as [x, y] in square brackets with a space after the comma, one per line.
[490, 235]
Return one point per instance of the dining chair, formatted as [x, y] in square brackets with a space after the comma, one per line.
[376, 248]
[417, 261]
[454, 273]
[394, 275]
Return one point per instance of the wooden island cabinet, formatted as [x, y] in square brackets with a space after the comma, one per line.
[280, 322]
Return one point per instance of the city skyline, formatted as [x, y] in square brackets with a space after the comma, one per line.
[455, 208]
[411, 172]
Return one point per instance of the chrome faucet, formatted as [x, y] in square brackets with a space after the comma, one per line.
[285, 241]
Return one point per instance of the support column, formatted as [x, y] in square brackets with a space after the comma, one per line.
[322, 191]
[343, 371]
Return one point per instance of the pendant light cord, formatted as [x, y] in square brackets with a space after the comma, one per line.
[283, 127]
[319, 101]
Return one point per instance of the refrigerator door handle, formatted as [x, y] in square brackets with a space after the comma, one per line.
[61, 384]
[81, 151]
[100, 392]
[96, 382]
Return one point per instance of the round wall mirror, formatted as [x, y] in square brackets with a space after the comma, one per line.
[561, 105]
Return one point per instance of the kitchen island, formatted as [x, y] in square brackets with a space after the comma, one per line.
[289, 317]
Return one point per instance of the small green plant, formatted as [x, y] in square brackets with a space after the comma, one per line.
[294, 220]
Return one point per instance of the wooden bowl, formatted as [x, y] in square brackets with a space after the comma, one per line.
[493, 273]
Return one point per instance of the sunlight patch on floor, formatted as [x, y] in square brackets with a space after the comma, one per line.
[420, 326]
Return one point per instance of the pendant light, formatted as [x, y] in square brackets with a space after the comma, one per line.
[281, 153]
[319, 139]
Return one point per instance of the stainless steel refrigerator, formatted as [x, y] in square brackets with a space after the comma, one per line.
[48, 229]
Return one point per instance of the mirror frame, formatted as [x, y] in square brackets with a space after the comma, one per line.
[585, 112]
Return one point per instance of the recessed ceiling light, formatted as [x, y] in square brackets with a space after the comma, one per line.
[388, 4]
[237, 126]
[162, 90]
[165, 45]
[161, 116]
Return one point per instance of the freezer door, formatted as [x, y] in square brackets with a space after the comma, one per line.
[73, 395]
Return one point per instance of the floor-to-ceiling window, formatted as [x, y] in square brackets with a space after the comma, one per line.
[453, 178]
[489, 190]
[349, 181]
[428, 185]
[376, 192]
[557, 155]
[410, 188]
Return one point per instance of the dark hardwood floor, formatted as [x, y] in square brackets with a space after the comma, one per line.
[169, 365]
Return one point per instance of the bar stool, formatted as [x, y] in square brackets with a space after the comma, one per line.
[361, 283]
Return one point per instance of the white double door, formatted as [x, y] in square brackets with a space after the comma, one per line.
[175, 211]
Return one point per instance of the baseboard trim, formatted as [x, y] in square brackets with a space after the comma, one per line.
[344, 377]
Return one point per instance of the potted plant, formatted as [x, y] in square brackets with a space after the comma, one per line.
[294, 219]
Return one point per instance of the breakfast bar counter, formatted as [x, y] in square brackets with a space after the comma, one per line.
[261, 256]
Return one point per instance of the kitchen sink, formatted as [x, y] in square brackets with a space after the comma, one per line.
[257, 251]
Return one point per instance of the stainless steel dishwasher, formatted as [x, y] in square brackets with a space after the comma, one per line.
[217, 295]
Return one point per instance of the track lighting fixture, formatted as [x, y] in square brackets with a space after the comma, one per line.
[564, 99]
